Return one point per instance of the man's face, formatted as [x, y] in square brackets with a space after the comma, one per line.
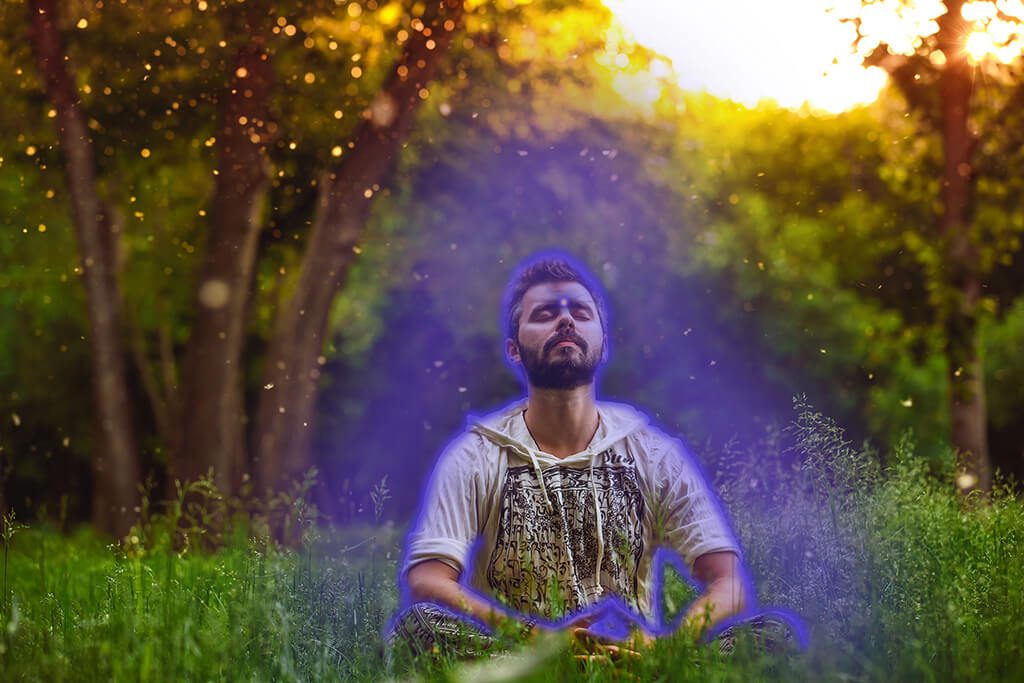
[561, 342]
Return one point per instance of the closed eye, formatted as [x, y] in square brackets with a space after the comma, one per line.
[580, 311]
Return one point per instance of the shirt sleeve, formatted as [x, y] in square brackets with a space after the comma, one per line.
[687, 515]
[449, 518]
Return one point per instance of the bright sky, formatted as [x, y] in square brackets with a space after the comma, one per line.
[748, 50]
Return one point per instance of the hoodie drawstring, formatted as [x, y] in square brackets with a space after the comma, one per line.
[600, 529]
[540, 477]
[597, 509]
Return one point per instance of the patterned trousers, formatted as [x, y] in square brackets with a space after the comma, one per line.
[426, 629]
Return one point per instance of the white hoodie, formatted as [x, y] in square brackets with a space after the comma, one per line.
[531, 528]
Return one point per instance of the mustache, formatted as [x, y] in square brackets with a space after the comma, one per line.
[571, 337]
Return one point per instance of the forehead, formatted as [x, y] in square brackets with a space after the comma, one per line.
[553, 292]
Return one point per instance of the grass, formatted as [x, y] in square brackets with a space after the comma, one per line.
[897, 577]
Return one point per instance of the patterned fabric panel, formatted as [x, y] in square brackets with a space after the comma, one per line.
[544, 560]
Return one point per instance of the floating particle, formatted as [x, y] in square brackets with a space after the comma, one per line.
[214, 293]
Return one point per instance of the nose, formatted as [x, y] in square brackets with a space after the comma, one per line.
[565, 316]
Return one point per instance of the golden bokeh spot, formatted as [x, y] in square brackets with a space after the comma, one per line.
[214, 294]
[966, 481]
[383, 110]
[390, 14]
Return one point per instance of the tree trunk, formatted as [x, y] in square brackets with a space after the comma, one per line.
[115, 465]
[287, 403]
[211, 399]
[962, 281]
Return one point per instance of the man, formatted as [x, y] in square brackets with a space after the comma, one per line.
[544, 509]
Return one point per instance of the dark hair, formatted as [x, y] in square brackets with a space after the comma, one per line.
[549, 267]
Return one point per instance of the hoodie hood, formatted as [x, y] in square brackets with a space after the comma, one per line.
[507, 428]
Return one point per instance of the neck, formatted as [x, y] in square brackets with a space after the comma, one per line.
[562, 422]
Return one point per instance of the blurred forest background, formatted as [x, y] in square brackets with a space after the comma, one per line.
[258, 237]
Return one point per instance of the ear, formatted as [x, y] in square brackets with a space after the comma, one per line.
[512, 351]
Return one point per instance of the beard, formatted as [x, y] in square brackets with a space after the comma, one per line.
[561, 368]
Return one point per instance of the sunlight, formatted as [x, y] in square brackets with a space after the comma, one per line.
[979, 45]
[799, 52]
[898, 27]
[804, 59]
[996, 34]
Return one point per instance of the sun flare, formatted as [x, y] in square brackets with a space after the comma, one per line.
[996, 30]
[798, 52]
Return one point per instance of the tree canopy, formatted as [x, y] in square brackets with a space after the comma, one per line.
[312, 211]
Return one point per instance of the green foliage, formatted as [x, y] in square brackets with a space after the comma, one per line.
[798, 244]
[151, 610]
[897, 577]
[821, 256]
[1004, 365]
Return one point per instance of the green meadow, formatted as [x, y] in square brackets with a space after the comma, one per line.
[897, 576]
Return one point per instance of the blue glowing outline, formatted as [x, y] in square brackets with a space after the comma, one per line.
[611, 617]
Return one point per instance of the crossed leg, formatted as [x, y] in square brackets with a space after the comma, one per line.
[429, 630]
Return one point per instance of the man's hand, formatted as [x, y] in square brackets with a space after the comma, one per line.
[590, 646]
